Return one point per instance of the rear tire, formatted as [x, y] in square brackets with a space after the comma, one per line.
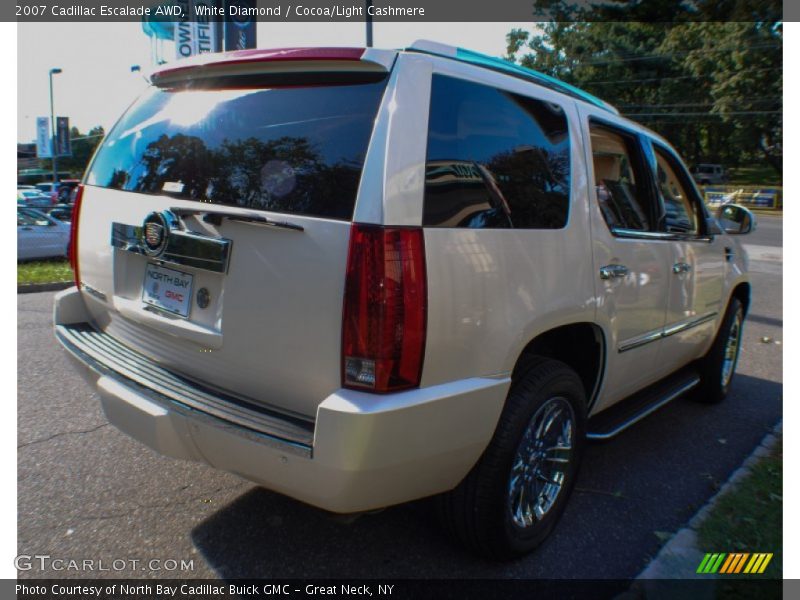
[718, 367]
[513, 497]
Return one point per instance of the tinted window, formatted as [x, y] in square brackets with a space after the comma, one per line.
[291, 149]
[494, 159]
[31, 218]
[680, 215]
[619, 181]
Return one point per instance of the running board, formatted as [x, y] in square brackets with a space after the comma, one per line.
[612, 421]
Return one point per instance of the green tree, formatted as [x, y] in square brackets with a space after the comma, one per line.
[712, 88]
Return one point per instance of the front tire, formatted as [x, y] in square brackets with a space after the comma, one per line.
[513, 497]
[718, 366]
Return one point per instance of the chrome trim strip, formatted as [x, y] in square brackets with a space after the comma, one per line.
[650, 409]
[664, 332]
[665, 236]
[107, 357]
[93, 292]
[640, 340]
[683, 326]
[182, 247]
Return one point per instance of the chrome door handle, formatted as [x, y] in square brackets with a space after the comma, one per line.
[613, 271]
[681, 267]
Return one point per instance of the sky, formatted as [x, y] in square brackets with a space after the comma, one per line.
[97, 85]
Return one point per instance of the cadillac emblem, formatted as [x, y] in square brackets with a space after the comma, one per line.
[155, 231]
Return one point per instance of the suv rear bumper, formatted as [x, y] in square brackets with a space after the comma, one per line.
[363, 451]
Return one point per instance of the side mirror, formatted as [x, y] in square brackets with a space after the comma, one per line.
[736, 219]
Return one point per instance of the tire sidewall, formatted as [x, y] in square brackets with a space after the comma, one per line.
[567, 385]
[712, 390]
[730, 317]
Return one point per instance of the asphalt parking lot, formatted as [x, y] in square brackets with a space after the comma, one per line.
[87, 491]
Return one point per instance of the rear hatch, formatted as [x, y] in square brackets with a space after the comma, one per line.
[215, 220]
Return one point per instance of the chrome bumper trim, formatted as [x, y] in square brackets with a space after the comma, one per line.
[106, 356]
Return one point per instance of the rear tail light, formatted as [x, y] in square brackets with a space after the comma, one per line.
[73, 236]
[385, 309]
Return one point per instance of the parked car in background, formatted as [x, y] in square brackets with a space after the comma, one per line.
[66, 189]
[34, 199]
[49, 190]
[709, 174]
[435, 274]
[62, 212]
[40, 235]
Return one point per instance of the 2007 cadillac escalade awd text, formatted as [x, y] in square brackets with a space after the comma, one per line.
[360, 277]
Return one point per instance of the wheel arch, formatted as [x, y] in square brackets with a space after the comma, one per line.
[560, 343]
[742, 293]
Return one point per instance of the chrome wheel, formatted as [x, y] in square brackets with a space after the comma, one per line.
[541, 462]
[731, 353]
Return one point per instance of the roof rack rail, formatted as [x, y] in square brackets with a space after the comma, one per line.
[509, 68]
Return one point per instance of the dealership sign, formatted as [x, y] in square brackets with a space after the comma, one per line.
[195, 33]
[43, 149]
[240, 25]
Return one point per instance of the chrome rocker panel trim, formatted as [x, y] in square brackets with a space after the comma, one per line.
[665, 332]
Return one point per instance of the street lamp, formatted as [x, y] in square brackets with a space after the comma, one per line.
[138, 69]
[54, 71]
[369, 23]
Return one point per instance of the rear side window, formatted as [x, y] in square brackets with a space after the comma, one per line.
[620, 180]
[680, 213]
[294, 149]
[495, 159]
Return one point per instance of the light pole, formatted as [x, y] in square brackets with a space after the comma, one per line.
[369, 23]
[54, 71]
[138, 69]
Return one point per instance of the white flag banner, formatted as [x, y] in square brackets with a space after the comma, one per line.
[196, 34]
[43, 147]
[205, 31]
[185, 41]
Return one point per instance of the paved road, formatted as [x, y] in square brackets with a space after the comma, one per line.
[86, 491]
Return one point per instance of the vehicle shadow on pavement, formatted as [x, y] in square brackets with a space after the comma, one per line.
[263, 534]
[632, 491]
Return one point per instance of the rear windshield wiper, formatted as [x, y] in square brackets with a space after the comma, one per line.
[215, 217]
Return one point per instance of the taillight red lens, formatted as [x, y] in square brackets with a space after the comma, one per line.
[385, 309]
[73, 236]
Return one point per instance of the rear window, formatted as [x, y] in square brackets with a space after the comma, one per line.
[294, 149]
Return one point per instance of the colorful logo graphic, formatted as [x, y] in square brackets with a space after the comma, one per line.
[735, 563]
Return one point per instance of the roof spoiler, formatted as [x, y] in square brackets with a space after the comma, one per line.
[260, 60]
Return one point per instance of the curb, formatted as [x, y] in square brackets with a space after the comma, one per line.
[30, 288]
[679, 557]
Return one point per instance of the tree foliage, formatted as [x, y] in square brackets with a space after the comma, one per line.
[713, 88]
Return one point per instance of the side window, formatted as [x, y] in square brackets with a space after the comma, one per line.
[680, 213]
[620, 184]
[29, 219]
[495, 159]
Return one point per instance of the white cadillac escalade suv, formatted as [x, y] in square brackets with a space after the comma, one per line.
[359, 277]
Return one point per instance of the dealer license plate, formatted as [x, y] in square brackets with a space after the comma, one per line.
[167, 289]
